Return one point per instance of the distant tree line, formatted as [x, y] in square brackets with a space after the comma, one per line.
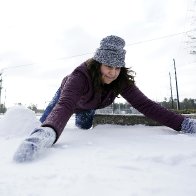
[185, 104]
[188, 105]
[2, 108]
[35, 108]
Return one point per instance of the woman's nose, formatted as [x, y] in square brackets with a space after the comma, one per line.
[113, 72]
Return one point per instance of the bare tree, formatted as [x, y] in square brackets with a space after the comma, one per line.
[192, 33]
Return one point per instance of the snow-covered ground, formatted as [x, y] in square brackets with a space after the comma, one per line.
[107, 160]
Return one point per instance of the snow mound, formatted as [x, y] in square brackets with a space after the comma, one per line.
[18, 121]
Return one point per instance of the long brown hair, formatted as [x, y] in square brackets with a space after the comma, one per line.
[126, 76]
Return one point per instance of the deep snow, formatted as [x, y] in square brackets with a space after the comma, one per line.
[107, 160]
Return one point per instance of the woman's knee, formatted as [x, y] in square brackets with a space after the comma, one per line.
[84, 119]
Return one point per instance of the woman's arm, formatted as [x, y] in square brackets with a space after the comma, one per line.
[152, 109]
[71, 92]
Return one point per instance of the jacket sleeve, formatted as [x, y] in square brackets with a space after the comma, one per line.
[152, 109]
[71, 92]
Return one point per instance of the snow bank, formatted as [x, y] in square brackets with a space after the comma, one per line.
[18, 121]
[106, 160]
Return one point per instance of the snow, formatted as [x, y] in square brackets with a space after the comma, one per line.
[106, 160]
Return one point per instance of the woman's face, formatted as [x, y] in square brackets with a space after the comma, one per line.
[109, 74]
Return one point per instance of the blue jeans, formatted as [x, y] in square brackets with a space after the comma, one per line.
[83, 119]
[50, 106]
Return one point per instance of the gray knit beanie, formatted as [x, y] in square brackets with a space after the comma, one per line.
[111, 51]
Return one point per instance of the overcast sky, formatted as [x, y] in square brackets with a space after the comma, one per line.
[41, 41]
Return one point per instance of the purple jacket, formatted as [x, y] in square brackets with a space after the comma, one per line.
[77, 94]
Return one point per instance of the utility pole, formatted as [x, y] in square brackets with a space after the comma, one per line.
[172, 100]
[178, 102]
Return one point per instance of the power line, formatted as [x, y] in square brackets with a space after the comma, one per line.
[158, 38]
[16, 66]
[84, 54]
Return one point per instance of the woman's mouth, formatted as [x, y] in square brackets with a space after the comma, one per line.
[110, 78]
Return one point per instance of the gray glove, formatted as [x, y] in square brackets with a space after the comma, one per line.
[188, 125]
[31, 147]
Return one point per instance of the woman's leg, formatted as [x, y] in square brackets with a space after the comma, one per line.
[84, 119]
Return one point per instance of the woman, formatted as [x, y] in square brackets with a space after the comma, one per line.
[93, 85]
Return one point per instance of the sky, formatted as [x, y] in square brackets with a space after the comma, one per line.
[42, 41]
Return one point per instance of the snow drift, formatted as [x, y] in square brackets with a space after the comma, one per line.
[107, 160]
